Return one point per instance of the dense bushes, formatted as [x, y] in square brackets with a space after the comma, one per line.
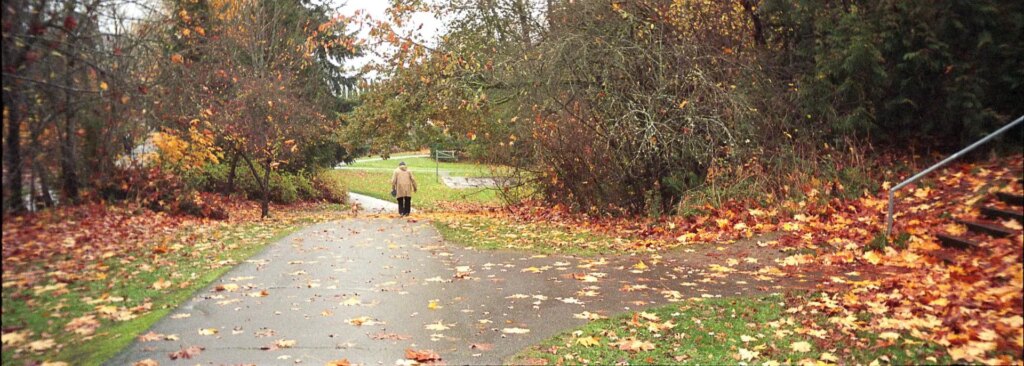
[285, 187]
[936, 74]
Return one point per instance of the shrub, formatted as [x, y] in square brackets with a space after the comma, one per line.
[304, 186]
[330, 187]
[282, 189]
[285, 187]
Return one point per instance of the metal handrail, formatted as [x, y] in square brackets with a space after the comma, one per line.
[892, 191]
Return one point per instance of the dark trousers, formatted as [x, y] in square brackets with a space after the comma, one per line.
[404, 206]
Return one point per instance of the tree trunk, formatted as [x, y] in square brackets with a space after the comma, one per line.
[44, 184]
[264, 185]
[69, 177]
[748, 5]
[265, 205]
[14, 202]
[231, 174]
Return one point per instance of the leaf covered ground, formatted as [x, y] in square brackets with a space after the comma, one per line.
[81, 282]
[966, 301]
[740, 330]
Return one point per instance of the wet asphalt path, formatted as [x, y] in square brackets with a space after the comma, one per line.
[363, 289]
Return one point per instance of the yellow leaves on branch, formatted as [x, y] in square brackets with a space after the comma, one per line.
[196, 151]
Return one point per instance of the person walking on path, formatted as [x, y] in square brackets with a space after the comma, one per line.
[402, 187]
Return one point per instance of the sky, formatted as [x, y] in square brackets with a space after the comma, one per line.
[432, 27]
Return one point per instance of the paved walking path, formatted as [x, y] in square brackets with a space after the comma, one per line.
[367, 289]
[371, 204]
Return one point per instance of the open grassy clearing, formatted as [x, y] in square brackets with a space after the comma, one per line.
[431, 192]
[427, 165]
[126, 293]
[749, 330]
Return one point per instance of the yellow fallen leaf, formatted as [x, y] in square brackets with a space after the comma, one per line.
[891, 336]
[873, 257]
[588, 342]
[801, 346]
[748, 355]
[14, 338]
[41, 345]
[828, 357]
[208, 331]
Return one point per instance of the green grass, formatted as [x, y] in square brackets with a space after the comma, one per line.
[396, 155]
[489, 233]
[431, 192]
[712, 332]
[206, 253]
[427, 165]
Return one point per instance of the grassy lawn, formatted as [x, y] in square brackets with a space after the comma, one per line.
[431, 192]
[126, 293]
[397, 155]
[427, 165]
[747, 330]
[491, 233]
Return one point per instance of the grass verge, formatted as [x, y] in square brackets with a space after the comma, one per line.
[744, 330]
[122, 295]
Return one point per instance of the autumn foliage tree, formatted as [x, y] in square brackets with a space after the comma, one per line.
[259, 76]
[639, 106]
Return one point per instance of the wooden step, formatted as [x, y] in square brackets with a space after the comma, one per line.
[986, 228]
[998, 213]
[1010, 198]
[956, 242]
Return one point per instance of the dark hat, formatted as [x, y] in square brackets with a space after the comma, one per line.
[401, 163]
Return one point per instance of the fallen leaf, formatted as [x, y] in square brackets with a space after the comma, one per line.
[588, 341]
[14, 338]
[83, 325]
[439, 326]
[186, 353]
[515, 331]
[748, 355]
[41, 345]
[891, 336]
[422, 355]
[151, 337]
[801, 346]
[632, 345]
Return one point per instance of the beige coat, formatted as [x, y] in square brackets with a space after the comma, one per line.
[403, 182]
